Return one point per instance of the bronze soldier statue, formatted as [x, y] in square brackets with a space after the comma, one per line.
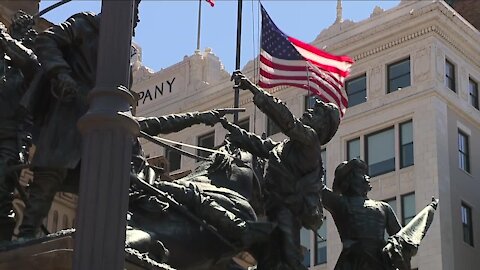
[362, 222]
[151, 222]
[68, 55]
[18, 68]
[293, 173]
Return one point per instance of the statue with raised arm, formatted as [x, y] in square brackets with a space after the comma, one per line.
[293, 172]
[361, 223]
[19, 66]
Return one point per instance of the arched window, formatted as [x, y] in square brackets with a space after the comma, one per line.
[55, 221]
[65, 222]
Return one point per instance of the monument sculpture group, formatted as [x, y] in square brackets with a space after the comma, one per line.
[252, 194]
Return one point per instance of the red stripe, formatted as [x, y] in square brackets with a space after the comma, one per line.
[303, 86]
[342, 101]
[280, 66]
[329, 68]
[321, 84]
[317, 51]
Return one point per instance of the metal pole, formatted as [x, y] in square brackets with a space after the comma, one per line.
[236, 101]
[106, 148]
[199, 23]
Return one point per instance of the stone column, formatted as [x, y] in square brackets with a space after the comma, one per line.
[107, 141]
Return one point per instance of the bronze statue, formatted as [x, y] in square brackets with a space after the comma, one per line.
[362, 222]
[68, 55]
[293, 171]
[161, 217]
[19, 66]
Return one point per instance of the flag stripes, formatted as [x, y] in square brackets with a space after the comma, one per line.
[285, 60]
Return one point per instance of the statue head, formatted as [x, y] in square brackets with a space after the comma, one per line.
[324, 118]
[21, 28]
[351, 178]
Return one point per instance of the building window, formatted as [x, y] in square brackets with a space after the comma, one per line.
[398, 75]
[463, 152]
[309, 102]
[473, 90]
[244, 124]
[206, 141]
[450, 75]
[406, 144]
[467, 224]
[272, 128]
[393, 204]
[356, 90]
[174, 158]
[323, 155]
[353, 149]
[380, 154]
[321, 244]
[408, 208]
[305, 246]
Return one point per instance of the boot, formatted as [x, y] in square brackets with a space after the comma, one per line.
[45, 184]
[6, 230]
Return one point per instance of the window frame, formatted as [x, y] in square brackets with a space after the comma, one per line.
[402, 201]
[348, 148]
[389, 66]
[318, 241]
[367, 154]
[364, 75]
[202, 137]
[168, 152]
[474, 99]
[452, 78]
[468, 225]
[466, 154]
[400, 141]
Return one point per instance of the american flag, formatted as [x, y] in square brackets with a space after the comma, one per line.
[285, 60]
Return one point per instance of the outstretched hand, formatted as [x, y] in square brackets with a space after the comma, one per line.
[240, 80]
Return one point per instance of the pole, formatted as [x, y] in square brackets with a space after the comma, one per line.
[199, 23]
[107, 139]
[236, 100]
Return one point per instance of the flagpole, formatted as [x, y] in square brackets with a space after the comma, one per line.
[237, 60]
[199, 23]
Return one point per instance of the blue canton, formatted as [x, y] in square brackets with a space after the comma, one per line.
[275, 42]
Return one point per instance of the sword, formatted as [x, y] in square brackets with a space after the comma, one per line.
[54, 6]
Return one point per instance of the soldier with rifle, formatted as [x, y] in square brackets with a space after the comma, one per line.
[19, 67]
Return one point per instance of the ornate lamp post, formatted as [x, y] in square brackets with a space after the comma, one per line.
[107, 141]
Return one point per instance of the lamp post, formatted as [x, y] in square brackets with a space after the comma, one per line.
[106, 151]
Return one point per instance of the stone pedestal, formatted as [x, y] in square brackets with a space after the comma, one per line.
[56, 253]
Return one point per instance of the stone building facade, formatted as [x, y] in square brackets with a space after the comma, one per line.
[413, 117]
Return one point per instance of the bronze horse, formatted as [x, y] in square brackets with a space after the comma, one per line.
[155, 225]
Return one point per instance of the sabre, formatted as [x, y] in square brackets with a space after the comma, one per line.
[54, 6]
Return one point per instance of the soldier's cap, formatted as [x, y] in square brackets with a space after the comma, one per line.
[340, 182]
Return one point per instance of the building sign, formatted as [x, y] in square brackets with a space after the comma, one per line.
[156, 91]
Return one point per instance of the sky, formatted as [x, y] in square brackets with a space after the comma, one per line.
[168, 28]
